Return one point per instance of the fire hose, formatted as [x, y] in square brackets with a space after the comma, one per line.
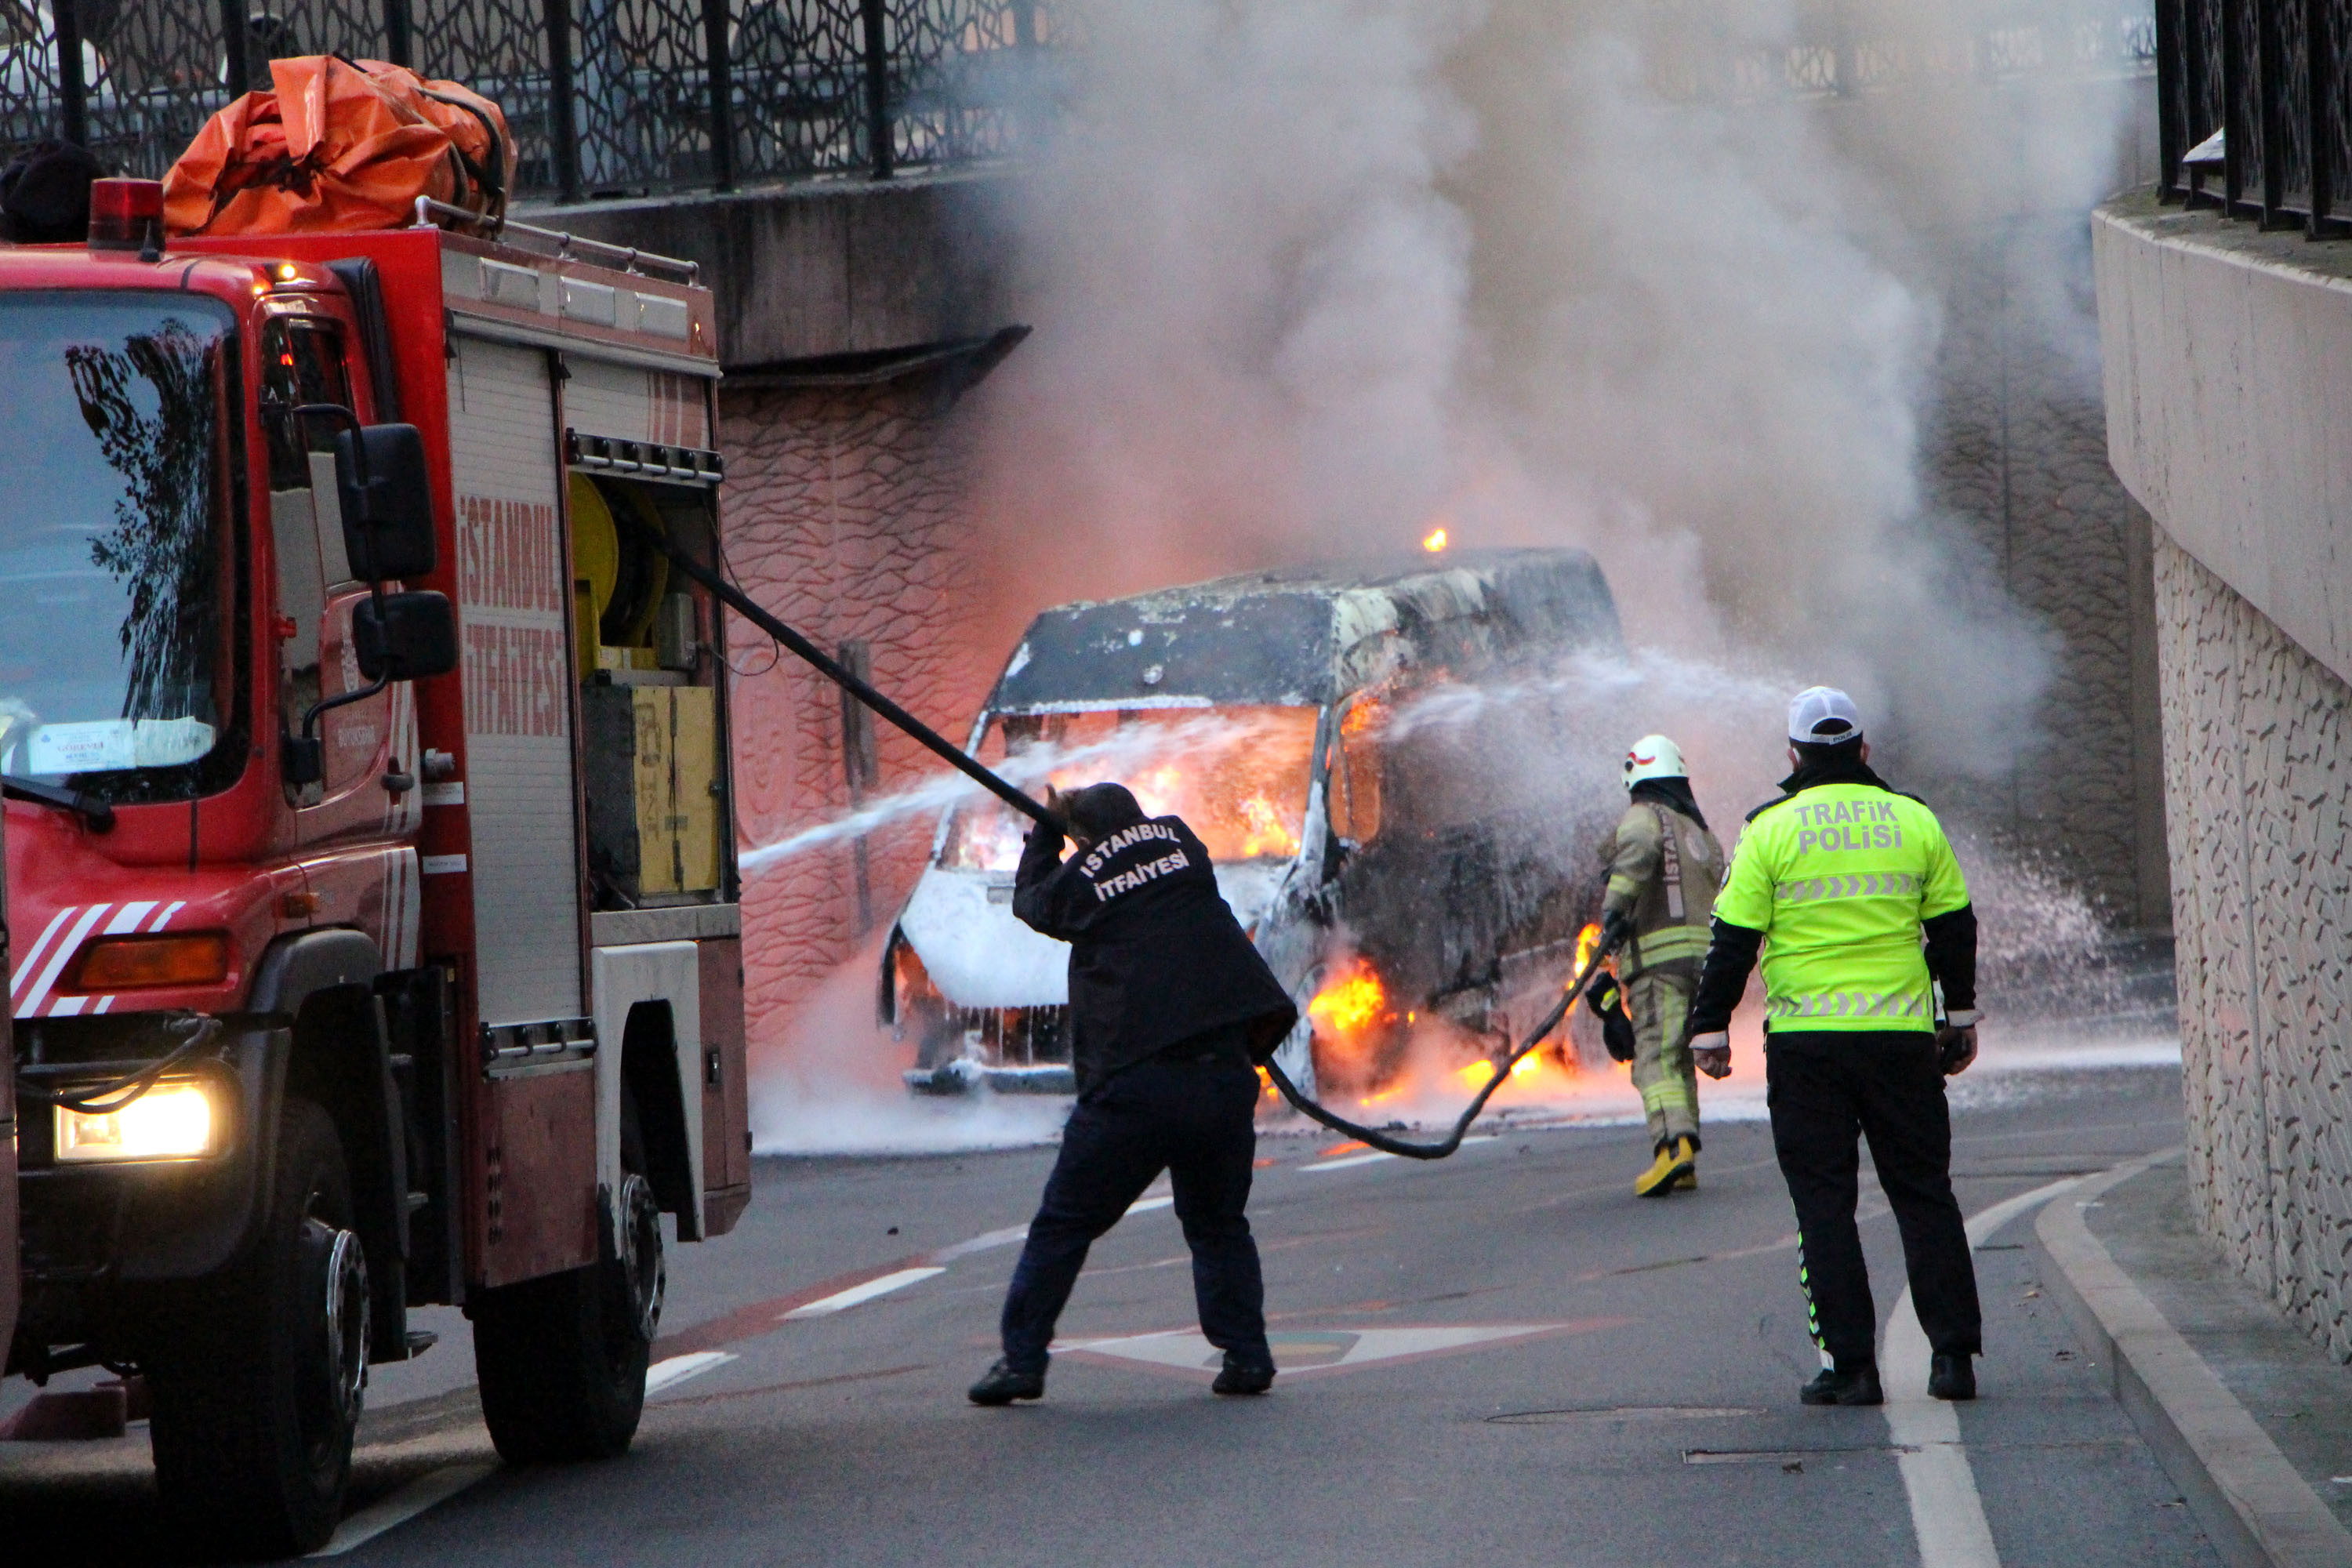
[1012, 796]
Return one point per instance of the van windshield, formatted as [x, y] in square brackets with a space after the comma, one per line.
[1237, 775]
[114, 576]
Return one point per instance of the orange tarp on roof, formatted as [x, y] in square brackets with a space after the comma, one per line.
[340, 145]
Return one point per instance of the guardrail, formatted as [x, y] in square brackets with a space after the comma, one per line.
[605, 96]
[2255, 109]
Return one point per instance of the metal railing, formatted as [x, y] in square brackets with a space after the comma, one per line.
[603, 96]
[2255, 109]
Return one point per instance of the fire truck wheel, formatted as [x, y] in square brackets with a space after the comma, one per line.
[257, 1384]
[561, 1359]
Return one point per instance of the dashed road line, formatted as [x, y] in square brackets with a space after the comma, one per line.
[1319, 1166]
[857, 1295]
[427, 1490]
[677, 1369]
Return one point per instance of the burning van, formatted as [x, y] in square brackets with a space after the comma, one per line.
[1381, 822]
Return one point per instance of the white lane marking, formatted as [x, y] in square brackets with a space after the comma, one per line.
[25, 964]
[65, 949]
[1145, 1206]
[427, 1490]
[669, 1373]
[842, 1300]
[1946, 1513]
[1350, 1160]
[981, 1243]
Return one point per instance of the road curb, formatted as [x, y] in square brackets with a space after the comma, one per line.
[2257, 1509]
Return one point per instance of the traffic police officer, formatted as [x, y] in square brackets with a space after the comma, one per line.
[1170, 1006]
[1664, 868]
[1836, 880]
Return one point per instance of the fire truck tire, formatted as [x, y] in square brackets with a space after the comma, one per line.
[561, 1359]
[258, 1380]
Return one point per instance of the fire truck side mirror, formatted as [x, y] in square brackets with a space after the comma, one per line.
[405, 636]
[387, 501]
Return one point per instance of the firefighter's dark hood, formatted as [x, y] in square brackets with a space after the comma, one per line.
[1156, 956]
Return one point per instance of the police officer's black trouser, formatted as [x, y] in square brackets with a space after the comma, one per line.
[1823, 1087]
[1193, 1119]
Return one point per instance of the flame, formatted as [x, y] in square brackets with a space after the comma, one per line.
[1351, 1003]
[1263, 831]
[1586, 941]
[1434, 541]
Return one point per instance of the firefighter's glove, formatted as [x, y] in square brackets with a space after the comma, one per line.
[1617, 1034]
[1956, 1044]
[1615, 927]
[1602, 995]
[1711, 1054]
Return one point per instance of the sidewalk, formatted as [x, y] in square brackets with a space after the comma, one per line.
[2250, 1416]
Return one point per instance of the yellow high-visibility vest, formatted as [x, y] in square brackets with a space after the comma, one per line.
[1839, 877]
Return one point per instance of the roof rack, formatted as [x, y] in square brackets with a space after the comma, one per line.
[630, 257]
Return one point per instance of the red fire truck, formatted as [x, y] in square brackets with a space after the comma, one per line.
[370, 845]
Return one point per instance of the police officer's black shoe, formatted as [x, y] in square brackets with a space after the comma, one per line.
[1949, 1376]
[1004, 1384]
[1835, 1387]
[1241, 1375]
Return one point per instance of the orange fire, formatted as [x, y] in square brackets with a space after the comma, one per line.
[1586, 941]
[1434, 541]
[1263, 831]
[1351, 1003]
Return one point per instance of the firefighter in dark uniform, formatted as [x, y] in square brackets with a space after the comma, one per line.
[1169, 1006]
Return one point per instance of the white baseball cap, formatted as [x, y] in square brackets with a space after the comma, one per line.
[1653, 757]
[1824, 716]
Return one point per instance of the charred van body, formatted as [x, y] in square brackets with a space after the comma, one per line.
[1336, 742]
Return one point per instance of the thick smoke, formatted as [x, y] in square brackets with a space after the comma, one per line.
[1311, 276]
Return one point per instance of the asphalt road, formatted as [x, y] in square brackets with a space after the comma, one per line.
[1503, 1353]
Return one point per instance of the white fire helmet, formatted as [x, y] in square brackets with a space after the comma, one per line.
[1653, 757]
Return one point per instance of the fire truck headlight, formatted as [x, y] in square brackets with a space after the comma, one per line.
[173, 1121]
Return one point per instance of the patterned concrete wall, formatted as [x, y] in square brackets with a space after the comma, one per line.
[2015, 460]
[844, 517]
[2258, 777]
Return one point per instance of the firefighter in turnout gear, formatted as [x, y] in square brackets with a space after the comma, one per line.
[1837, 882]
[1665, 866]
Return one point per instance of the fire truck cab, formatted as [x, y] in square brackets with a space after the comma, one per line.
[371, 855]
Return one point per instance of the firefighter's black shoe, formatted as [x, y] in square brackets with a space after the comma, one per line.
[1835, 1387]
[1243, 1376]
[1003, 1384]
[1951, 1377]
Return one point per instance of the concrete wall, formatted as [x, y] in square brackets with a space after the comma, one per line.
[2259, 769]
[828, 267]
[2225, 365]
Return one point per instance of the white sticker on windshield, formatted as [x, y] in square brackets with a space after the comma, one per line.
[95, 747]
[103, 745]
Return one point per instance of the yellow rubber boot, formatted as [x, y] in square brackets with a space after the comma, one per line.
[1688, 1181]
[1673, 1163]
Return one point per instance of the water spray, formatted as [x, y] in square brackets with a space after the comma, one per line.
[955, 756]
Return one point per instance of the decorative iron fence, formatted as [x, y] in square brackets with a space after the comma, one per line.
[603, 96]
[2255, 109]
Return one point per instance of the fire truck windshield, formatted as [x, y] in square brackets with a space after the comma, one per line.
[113, 575]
